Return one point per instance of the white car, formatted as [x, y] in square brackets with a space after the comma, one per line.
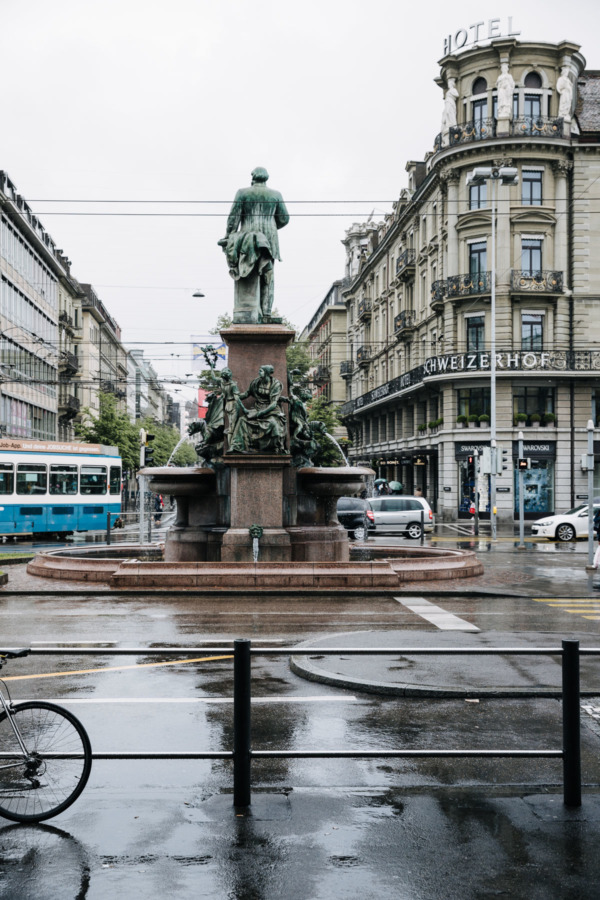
[565, 526]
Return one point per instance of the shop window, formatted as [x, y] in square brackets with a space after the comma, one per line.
[538, 488]
[531, 188]
[596, 408]
[532, 332]
[473, 401]
[475, 326]
[471, 493]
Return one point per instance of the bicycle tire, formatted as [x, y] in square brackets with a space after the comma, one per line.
[63, 772]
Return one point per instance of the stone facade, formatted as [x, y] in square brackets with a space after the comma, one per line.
[418, 306]
[325, 336]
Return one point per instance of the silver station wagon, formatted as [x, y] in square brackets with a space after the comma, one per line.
[401, 515]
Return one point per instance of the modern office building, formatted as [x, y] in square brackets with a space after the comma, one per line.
[419, 375]
[31, 270]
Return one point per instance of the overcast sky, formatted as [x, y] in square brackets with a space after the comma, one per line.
[178, 101]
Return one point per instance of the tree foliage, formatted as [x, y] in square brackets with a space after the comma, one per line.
[113, 427]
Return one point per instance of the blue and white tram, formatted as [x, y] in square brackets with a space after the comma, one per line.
[53, 487]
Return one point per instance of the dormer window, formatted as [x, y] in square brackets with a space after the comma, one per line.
[479, 86]
[533, 80]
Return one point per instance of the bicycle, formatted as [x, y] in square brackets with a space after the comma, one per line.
[45, 756]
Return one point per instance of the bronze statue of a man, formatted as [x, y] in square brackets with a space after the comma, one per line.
[252, 246]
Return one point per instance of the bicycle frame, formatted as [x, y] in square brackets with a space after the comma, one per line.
[9, 715]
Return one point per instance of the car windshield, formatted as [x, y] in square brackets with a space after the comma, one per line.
[573, 512]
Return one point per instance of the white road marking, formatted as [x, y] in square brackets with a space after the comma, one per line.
[67, 701]
[443, 620]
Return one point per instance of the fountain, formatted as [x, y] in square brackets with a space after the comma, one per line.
[258, 514]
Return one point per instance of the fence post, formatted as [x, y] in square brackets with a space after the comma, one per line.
[422, 526]
[571, 724]
[108, 528]
[241, 722]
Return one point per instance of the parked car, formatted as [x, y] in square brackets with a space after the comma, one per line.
[356, 516]
[402, 515]
[566, 526]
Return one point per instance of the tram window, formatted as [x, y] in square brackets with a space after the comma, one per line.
[63, 479]
[31, 479]
[7, 478]
[93, 479]
[115, 480]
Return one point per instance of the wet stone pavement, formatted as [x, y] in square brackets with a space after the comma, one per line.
[321, 828]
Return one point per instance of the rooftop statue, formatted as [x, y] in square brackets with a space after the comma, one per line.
[251, 246]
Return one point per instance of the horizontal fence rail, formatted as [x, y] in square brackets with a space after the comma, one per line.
[242, 753]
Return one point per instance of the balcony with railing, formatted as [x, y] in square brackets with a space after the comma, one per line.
[68, 363]
[404, 324]
[468, 285]
[438, 292]
[526, 281]
[364, 309]
[538, 126]
[68, 407]
[478, 130]
[363, 355]
[65, 319]
[346, 368]
[405, 264]
[323, 373]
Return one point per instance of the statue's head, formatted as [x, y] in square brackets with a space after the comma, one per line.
[227, 374]
[266, 371]
[259, 175]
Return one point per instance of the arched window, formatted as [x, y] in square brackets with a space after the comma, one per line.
[479, 86]
[533, 80]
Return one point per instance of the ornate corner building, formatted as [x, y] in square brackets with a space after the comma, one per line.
[417, 366]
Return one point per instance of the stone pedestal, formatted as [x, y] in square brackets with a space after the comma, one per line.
[261, 493]
[253, 346]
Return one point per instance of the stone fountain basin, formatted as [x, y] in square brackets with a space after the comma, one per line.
[333, 481]
[180, 481]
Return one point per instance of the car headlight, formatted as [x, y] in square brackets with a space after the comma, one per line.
[543, 522]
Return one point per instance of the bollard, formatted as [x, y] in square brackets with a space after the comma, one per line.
[571, 724]
[241, 722]
[108, 528]
[422, 526]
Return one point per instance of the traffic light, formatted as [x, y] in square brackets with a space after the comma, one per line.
[523, 463]
[501, 460]
[149, 451]
[470, 460]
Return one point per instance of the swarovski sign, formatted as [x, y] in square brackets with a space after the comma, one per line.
[477, 32]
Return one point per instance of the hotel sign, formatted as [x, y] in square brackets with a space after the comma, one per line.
[463, 362]
[486, 30]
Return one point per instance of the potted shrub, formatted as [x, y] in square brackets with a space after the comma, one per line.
[439, 421]
[520, 418]
[484, 420]
[461, 420]
[535, 420]
[549, 419]
[422, 428]
[473, 420]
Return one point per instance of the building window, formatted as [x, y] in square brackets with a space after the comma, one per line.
[533, 80]
[596, 408]
[531, 188]
[530, 400]
[479, 116]
[478, 258]
[475, 333]
[532, 107]
[531, 256]
[473, 401]
[532, 331]
[478, 196]
[479, 86]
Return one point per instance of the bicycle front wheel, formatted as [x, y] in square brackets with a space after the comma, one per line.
[57, 766]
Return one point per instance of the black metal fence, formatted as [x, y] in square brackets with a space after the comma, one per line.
[243, 754]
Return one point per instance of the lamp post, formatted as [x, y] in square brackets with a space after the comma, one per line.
[504, 175]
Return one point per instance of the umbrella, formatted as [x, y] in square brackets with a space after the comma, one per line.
[395, 485]
[380, 481]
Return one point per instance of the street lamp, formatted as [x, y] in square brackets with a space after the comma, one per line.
[504, 175]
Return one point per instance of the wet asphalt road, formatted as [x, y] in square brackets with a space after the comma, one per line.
[316, 828]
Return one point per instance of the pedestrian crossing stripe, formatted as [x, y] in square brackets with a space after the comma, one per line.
[573, 605]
